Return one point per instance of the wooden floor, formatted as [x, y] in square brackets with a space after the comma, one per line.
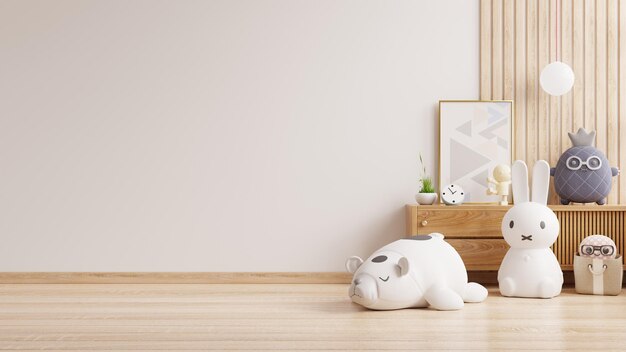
[292, 317]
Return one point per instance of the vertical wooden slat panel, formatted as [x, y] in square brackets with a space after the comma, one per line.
[614, 220]
[576, 227]
[567, 115]
[578, 56]
[556, 248]
[568, 226]
[621, 230]
[520, 79]
[563, 224]
[485, 49]
[590, 61]
[600, 67]
[519, 38]
[569, 218]
[565, 230]
[543, 111]
[602, 229]
[509, 50]
[584, 227]
[532, 78]
[611, 88]
[567, 236]
[554, 117]
[622, 98]
[615, 224]
[497, 30]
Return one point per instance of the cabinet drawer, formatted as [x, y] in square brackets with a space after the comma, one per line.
[477, 254]
[458, 222]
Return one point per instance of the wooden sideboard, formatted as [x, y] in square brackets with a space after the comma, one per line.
[474, 230]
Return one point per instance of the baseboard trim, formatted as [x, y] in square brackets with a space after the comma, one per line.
[483, 277]
[174, 278]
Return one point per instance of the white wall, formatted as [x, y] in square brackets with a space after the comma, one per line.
[230, 135]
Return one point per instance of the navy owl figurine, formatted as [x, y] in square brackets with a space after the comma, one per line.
[583, 174]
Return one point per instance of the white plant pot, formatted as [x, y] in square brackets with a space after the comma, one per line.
[426, 198]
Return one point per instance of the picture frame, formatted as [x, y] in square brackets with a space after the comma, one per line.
[474, 137]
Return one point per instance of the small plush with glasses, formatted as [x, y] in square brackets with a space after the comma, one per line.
[597, 247]
[598, 268]
[583, 174]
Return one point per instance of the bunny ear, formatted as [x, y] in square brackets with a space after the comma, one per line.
[541, 182]
[519, 179]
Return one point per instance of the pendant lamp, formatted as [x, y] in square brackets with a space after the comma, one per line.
[557, 78]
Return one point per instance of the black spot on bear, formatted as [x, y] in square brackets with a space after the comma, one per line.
[379, 259]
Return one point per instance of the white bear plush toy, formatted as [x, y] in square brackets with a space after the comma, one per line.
[420, 271]
[530, 268]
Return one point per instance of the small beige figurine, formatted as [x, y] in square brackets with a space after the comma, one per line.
[502, 181]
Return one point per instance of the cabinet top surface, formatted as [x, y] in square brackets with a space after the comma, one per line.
[577, 207]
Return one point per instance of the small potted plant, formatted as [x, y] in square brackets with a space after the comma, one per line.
[426, 195]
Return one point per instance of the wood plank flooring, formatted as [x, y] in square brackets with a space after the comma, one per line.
[292, 317]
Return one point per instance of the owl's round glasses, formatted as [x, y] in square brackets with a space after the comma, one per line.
[575, 163]
[604, 250]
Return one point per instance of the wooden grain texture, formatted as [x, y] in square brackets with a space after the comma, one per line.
[480, 254]
[554, 116]
[532, 82]
[566, 55]
[589, 66]
[292, 317]
[466, 222]
[590, 39]
[622, 97]
[475, 229]
[612, 96]
[497, 49]
[576, 225]
[411, 220]
[485, 48]
[508, 63]
[520, 79]
[578, 41]
[543, 99]
[601, 78]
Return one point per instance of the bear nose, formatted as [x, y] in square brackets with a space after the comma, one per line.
[357, 281]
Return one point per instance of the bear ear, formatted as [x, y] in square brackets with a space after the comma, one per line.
[436, 235]
[404, 265]
[353, 263]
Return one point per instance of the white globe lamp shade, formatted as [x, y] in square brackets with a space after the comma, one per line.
[557, 78]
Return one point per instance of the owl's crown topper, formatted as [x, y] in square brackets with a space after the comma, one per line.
[582, 138]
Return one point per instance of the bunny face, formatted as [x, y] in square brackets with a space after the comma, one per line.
[530, 225]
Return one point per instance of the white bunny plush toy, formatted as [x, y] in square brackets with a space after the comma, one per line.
[530, 268]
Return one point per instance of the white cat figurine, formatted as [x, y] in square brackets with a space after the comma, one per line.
[530, 268]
